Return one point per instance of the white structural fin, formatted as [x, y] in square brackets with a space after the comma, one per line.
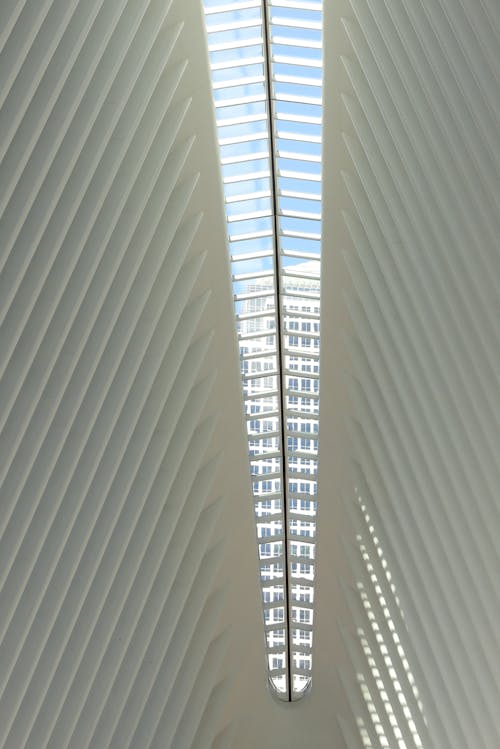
[412, 163]
[114, 507]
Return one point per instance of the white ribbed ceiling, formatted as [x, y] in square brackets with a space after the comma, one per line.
[412, 269]
[117, 348]
[129, 585]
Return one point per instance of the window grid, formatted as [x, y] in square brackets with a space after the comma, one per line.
[266, 71]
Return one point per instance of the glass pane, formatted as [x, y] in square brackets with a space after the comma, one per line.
[279, 345]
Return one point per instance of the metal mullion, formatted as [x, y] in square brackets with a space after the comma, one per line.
[279, 341]
[303, 375]
[306, 626]
[253, 295]
[255, 461]
[300, 195]
[264, 213]
[291, 273]
[300, 214]
[260, 375]
[275, 673]
[296, 4]
[215, 9]
[297, 580]
[314, 316]
[306, 316]
[260, 396]
[268, 606]
[245, 316]
[309, 258]
[300, 414]
[292, 60]
[304, 498]
[244, 158]
[304, 536]
[250, 235]
[306, 295]
[246, 197]
[241, 120]
[262, 415]
[272, 627]
[256, 255]
[236, 63]
[261, 174]
[257, 478]
[276, 537]
[294, 156]
[302, 517]
[259, 436]
[299, 350]
[220, 28]
[305, 521]
[298, 559]
[250, 216]
[297, 80]
[303, 604]
[302, 393]
[268, 517]
[273, 496]
[299, 476]
[293, 136]
[308, 334]
[304, 354]
[265, 456]
[296, 23]
[226, 46]
[257, 355]
[234, 82]
[257, 335]
[296, 433]
[300, 176]
[263, 562]
[298, 99]
[297, 373]
[305, 119]
[308, 462]
[284, 41]
[301, 647]
[300, 235]
[275, 649]
[241, 139]
[304, 453]
[225, 103]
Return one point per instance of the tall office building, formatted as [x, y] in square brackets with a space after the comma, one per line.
[296, 449]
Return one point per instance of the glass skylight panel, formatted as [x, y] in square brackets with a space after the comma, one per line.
[266, 71]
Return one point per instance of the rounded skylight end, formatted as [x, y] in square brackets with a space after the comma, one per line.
[279, 688]
[301, 686]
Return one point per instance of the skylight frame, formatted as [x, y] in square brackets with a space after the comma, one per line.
[278, 297]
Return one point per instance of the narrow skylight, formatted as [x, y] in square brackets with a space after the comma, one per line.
[266, 61]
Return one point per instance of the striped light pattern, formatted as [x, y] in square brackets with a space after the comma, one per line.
[266, 71]
[111, 509]
[418, 174]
